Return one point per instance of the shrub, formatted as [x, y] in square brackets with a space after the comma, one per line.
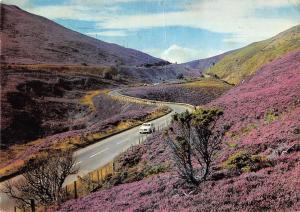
[270, 116]
[156, 169]
[242, 162]
[42, 180]
[194, 140]
[132, 174]
[180, 76]
[248, 128]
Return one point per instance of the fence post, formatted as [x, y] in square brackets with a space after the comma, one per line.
[15, 208]
[66, 190]
[75, 190]
[91, 178]
[98, 177]
[32, 205]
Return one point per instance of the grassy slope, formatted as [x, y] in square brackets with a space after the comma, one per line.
[244, 62]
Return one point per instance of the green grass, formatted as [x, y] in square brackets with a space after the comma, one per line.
[270, 117]
[208, 83]
[244, 62]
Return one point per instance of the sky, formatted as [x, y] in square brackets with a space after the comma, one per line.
[174, 30]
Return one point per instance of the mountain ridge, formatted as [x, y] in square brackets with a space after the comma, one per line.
[23, 33]
[244, 62]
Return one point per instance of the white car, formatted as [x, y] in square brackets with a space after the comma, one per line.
[147, 128]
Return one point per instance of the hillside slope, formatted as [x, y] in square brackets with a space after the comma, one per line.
[264, 114]
[205, 63]
[31, 39]
[195, 68]
[244, 62]
[28, 39]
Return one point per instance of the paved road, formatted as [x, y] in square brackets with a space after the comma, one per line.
[99, 154]
[103, 152]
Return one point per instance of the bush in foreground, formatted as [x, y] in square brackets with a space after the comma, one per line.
[194, 142]
[42, 180]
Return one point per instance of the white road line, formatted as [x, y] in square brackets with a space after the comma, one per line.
[104, 150]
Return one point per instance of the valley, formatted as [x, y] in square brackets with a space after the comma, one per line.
[66, 92]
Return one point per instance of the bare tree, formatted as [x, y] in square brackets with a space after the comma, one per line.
[194, 142]
[42, 180]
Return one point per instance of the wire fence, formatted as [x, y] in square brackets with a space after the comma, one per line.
[93, 180]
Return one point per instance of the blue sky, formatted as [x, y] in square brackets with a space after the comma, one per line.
[175, 30]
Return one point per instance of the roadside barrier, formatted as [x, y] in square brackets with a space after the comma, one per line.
[116, 94]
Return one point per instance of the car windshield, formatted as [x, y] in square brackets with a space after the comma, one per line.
[147, 124]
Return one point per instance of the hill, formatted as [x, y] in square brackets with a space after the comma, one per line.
[205, 63]
[263, 113]
[195, 68]
[30, 39]
[244, 62]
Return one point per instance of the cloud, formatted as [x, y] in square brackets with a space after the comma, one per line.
[20, 3]
[179, 54]
[70, 12]
[112, 33]
[99, 2]
[242, 21]
[234, 17]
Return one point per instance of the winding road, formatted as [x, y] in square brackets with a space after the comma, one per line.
[101, 153]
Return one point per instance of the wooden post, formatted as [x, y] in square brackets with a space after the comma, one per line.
[75, 190]
[98, 177]
[66, 190]
[101, 174]
[91, 178]
[32, 205]
[15, 208]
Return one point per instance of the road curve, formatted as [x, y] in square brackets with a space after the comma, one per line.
[99, 154]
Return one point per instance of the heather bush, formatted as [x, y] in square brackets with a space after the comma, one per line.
[135, 173]
[195, 93]
[194, 141]
[273, 188]
[138, 162]
[243, 161]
